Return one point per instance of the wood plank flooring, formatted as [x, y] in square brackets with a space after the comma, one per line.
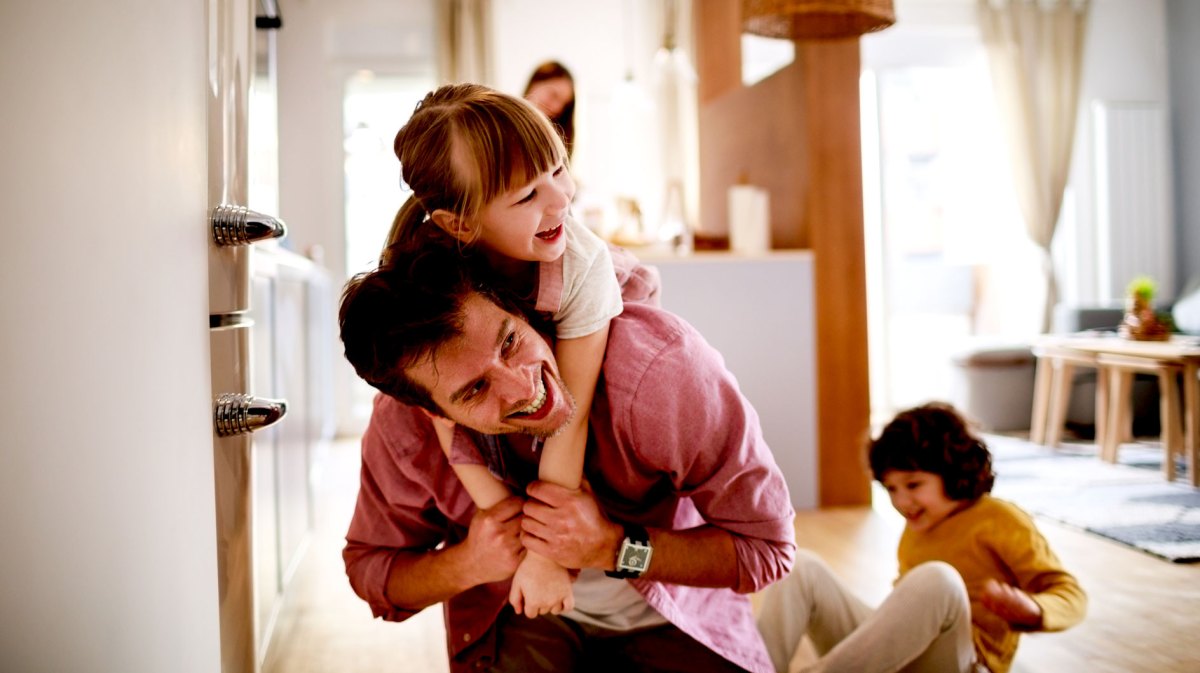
[1144, 613]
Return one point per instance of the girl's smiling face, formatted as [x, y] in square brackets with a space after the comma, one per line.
[527, 223]
[920, 497]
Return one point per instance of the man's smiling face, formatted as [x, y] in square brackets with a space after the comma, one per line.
[498, 376]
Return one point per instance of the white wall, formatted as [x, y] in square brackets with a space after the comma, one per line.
[1125, 59]
[1183, 35]
[107, 540]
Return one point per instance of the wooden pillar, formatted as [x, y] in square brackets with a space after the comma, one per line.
[833, 214]
[797, 134]
[718, 48]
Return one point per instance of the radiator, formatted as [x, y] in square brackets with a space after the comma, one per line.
[1134, 214]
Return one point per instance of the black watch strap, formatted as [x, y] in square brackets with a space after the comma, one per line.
[635, 544]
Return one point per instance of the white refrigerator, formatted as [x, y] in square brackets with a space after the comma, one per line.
[236, 53]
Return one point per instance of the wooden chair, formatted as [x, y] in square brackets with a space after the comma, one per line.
[1121, 369]
[1052, 392]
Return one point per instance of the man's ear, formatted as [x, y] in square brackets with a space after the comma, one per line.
[452, 224]
[437, 419]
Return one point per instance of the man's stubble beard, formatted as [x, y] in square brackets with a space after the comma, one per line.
[567, 397]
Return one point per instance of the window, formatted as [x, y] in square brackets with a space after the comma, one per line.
[944, 233]
[374, 109]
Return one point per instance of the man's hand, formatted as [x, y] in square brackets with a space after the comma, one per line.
[493, 543]
[541, 587]
[1010, 603]
[566, 526]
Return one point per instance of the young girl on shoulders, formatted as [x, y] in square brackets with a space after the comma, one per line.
[489, 175]
[974, 570]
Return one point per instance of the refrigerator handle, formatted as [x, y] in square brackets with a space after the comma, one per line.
[239, 413]
[238, 225]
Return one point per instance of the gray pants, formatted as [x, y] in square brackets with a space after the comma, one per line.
[923, 626]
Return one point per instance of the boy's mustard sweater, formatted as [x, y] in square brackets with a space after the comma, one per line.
[993, 538]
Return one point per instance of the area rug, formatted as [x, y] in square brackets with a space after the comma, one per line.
[1129, 502]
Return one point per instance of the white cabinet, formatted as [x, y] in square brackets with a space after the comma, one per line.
[758, 312]
[293, 324]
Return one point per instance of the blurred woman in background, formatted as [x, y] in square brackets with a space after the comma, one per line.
[552, 89]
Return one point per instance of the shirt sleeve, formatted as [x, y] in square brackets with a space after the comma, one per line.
[395, 512]
[1038, 572]
[591, 295]
[640, 283]
[706, 436]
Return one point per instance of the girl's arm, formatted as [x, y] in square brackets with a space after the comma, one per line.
[579, 362]
[485, 490]
[541, 586]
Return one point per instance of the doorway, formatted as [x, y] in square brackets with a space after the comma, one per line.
[374, 107]
[948, 264]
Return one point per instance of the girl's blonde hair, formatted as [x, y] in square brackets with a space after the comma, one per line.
[465, 145]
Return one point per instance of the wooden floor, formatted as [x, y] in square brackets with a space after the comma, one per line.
[1144, 613]
[323, 626]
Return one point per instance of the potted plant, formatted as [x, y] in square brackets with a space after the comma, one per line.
[1141, 323]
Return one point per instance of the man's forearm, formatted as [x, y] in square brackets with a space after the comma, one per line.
[698, 557]
[420, 579]
[568, 527]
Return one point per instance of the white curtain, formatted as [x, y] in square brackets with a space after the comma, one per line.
[674, 85]
[464, 41]
[1035, 49]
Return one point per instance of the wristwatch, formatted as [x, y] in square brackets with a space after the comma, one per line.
[633, 558]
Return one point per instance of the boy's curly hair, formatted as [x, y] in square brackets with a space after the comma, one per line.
[935, 438]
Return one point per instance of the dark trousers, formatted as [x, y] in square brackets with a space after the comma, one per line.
[518, 644]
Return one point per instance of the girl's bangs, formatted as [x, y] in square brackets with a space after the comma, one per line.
[527, 146]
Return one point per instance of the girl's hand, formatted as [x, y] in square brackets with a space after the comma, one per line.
[1011, 604]
[540, 587]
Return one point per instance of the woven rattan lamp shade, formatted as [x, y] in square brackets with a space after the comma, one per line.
[816, 19]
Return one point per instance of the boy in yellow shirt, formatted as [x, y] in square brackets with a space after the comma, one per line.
[974, 570]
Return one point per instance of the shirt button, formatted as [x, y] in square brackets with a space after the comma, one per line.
[466, 637]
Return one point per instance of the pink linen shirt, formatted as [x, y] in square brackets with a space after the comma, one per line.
[673, 444]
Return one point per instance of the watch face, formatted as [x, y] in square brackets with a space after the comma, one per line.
[634, 557]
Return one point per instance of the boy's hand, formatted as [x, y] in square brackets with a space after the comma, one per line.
[541, 586]
[1011, 604]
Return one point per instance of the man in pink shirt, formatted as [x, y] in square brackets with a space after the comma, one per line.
[683, 511]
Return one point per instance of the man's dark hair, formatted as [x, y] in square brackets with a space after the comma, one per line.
[395, 316]
[935, 438]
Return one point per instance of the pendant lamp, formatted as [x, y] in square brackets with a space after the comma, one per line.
[816, 19]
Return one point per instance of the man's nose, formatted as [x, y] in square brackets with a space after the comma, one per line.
[520, 384]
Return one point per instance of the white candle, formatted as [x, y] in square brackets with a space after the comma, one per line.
[749, 220]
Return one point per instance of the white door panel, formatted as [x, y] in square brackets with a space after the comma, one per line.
[106, 472]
